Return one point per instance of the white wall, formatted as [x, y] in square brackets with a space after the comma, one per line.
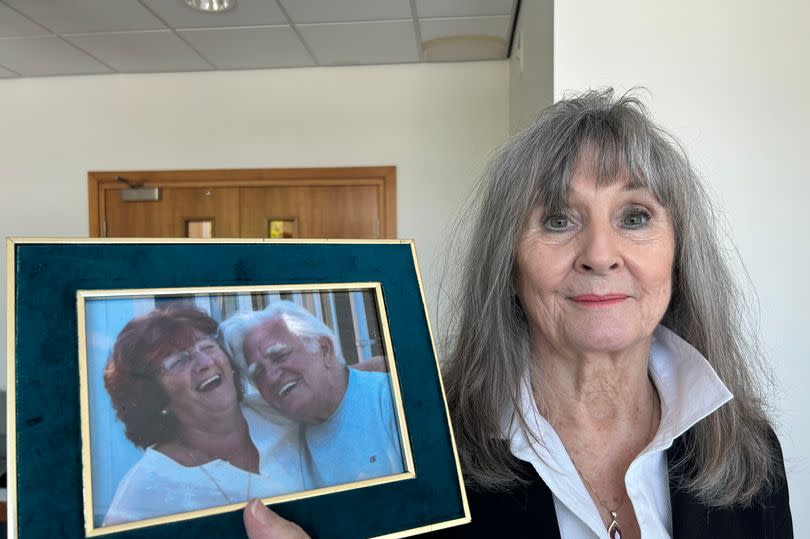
[730, 79]
[531, 66]
[436, 123]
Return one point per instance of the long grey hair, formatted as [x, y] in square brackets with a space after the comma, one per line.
[729, 457]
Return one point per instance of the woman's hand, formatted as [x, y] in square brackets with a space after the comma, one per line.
[262, 523]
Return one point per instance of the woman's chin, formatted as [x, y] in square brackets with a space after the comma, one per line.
[222, 396]
[605, 338]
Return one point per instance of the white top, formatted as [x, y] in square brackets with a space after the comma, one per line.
[159, 486]
[689, 390]
[360, 440]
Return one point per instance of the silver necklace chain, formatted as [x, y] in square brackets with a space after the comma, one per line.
[614, 530]
[216, 483]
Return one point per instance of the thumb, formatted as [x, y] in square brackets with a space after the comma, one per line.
[262, 523]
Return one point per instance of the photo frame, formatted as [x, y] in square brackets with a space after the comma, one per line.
[70, 302]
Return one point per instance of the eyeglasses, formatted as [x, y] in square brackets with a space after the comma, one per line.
[180, 361]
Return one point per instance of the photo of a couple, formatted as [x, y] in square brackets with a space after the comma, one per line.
[200, 401]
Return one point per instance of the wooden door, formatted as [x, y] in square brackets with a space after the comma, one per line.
[339, 211]
[180, 213]
[294, 203]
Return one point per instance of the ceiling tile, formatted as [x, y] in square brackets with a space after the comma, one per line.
[79, 16]
[387, 42]
[12, 24]
[246, 48]
[5, 73]
[135, 52]
[48, 55]
[463, 8]
[246, 13]
[326, 11]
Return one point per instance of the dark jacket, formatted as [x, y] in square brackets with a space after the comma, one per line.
[528, 511]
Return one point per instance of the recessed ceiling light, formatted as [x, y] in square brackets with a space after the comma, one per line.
[466, 47]
[211, 6]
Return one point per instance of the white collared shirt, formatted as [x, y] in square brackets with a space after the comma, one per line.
[689, 390]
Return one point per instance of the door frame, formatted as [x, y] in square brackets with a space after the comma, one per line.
[384, 177]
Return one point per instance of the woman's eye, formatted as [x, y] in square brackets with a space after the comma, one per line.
[635, 218]
[557, 223]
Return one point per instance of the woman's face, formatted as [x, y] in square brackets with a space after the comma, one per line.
[198, 381]
[598, 276]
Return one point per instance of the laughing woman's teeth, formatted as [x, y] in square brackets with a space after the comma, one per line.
[207, 382]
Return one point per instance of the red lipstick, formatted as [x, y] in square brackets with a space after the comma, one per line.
[594, 300]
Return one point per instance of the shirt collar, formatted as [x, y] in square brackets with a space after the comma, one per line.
[687, 385]
[689, 390]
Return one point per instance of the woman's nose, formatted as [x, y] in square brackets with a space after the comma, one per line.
[201, 360]
[599, 250]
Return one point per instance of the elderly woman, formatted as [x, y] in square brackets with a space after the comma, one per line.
[178, 396]
[602, 381]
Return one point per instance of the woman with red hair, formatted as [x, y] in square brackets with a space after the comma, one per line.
[178, 395]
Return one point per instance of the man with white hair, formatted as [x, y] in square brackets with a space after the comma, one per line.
[347, 416]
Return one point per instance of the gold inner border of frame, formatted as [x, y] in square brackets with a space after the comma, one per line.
[81, 295]
[11, 445]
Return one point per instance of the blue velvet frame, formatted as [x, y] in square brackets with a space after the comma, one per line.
[47, 411]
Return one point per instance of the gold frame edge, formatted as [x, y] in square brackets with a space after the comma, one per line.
[11, 391]
[191, 241]
[12, 242]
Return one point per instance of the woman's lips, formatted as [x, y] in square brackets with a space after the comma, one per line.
[594, 300]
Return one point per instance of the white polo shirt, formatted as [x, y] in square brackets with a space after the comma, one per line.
[689, 390]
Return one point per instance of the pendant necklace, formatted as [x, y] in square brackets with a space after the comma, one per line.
[614, 530]
[216, 483]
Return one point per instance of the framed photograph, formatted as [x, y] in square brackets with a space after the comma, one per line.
[156, 386]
